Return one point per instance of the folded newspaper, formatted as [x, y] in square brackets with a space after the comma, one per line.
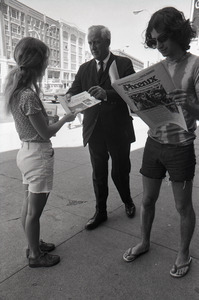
[78, 102]
[146, 93]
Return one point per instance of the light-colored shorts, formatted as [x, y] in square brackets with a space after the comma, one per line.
[36, 163]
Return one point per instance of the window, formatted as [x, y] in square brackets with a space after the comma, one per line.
[37, 23]
[14, 28]
[66, 76]
[29, 19]
[80, 60]
[73, 39]
[73, 66]
[73, 58]
[65, 65]
[80, 50]
[5, 9]
[22, 17]
[14, 13]
[65, 35]
[65, 46]
[73, 48]
[65, 56]
[80, 42]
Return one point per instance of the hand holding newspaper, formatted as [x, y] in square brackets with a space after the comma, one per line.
[147, 94]
[78, 102]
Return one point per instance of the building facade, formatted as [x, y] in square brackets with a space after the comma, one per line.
[137, 64]
[66, 42]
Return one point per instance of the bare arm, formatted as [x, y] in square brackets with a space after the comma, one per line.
[46, 131]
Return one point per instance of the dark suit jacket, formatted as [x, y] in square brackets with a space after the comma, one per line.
[113, 113]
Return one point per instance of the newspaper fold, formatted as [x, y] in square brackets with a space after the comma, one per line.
[146, 93]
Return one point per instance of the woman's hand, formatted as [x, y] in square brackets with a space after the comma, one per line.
[69, 117]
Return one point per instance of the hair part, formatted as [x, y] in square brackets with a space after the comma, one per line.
[173, 22]
[105, 32]
[31, 56]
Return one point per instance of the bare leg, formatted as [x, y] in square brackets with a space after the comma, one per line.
[36, 204]
[183, 199]
[24, 206]
[151, 189]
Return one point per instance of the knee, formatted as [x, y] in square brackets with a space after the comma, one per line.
[185, 209]
[148, 202]
[33, 214]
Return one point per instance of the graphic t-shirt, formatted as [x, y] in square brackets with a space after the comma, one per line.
[185, 75]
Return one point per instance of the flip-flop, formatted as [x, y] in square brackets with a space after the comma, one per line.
[182, 270]
[128, 256]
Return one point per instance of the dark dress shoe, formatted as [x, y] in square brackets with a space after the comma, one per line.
[96, 220]
[130, 210]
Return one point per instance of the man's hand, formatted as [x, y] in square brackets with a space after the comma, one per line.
[98, 92]
[180, 97]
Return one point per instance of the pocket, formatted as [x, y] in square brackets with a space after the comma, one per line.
[49, 153]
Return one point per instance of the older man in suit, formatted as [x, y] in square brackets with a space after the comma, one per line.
[107, 126]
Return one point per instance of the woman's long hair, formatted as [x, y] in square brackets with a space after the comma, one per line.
[31, 56]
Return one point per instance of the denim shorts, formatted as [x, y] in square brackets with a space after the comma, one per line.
[159, 158]
[36, 163]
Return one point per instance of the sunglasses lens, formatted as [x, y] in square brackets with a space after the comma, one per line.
[162, 38]
[152, 43]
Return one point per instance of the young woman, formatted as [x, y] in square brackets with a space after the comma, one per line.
[170, 148]
[35, 158]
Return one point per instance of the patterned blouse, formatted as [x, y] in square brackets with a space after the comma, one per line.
[27, 103]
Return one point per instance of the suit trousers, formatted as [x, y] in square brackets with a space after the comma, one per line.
[101, 148]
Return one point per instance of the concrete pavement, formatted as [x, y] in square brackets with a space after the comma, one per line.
[91, 264]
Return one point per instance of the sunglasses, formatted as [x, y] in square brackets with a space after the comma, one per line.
[152, 43]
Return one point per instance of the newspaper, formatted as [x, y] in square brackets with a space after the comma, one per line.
[78, 102]
[146, 93]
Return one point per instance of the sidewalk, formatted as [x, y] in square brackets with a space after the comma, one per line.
[91, 266]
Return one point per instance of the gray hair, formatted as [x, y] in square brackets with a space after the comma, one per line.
[105, 32]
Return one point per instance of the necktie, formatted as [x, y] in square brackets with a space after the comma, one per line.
[100, 72]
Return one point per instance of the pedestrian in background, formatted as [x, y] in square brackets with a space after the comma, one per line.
[35, 159]
[107, 126]
[170, 148]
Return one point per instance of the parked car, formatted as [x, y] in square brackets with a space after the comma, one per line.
[52, 95]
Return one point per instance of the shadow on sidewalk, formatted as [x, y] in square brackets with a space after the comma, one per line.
[70, 205]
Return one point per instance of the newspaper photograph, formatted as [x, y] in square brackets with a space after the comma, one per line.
[146, 93]
[78, 103]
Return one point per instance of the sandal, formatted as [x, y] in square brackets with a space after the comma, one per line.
[44, 260]
[182, 270]
[44, 247]
[128, 256]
